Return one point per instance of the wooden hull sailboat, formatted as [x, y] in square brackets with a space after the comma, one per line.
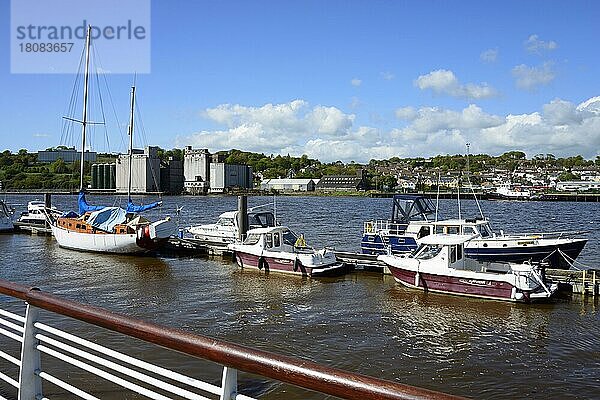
[109, 229]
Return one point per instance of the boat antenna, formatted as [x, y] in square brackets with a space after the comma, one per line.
[437, 197]
[275, 209]
[131, 141]
[85, 101]
[458, 197]
[470, 184]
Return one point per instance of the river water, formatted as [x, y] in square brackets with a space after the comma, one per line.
[361, 322]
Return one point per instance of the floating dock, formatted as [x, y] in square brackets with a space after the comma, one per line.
[33, 229]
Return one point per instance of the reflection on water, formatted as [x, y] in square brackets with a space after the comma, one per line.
[362, 322]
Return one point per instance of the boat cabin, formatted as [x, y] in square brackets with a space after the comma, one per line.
[470, 227]
[446, 251]
[276, 238]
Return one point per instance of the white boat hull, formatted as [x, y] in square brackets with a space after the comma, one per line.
[97, 242]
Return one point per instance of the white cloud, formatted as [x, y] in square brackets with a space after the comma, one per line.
[388, 76]
[329, 134]
[489, 55]
[529, 78]
[42, 135]
[406, 113]
[356, 82]
[535, 45]
[444, 81]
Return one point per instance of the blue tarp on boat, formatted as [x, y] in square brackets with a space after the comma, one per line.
[132, 208]
[84, 206]
[107, 218]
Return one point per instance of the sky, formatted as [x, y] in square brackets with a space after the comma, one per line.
[340, 80]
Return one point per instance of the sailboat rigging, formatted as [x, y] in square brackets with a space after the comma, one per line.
[109, 229]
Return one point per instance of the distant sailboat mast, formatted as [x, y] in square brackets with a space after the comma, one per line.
[85, 101]
[130, 142]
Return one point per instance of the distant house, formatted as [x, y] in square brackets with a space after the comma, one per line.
[288, 185]
[342, 182]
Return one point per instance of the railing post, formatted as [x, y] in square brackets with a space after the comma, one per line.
[228, 384]
[30, 383]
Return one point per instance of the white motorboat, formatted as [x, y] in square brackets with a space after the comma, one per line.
[35, 216]
[506, 191]
[226, 229]
[6, 218]
[440, 265]
[279, 249]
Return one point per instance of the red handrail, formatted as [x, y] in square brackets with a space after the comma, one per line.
[287, 369]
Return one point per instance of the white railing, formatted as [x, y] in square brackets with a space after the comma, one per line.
[36, 338]
[383, 226]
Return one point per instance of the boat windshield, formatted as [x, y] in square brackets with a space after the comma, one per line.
[289, 237]
[225, 222]
[427, 251]
[252, 238]
[485, 231]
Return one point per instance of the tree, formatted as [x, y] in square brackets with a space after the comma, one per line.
[59, 167]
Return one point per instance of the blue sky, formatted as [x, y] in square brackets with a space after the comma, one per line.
[347, 80]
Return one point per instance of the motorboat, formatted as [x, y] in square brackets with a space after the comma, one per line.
[507, 191]
[440, 265]
[6, 218]
[36, 213]
[412, 220]
[278, 249]
[226, 229]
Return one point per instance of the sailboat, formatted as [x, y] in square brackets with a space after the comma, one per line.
[109, 229]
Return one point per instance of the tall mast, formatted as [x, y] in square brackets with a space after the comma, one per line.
[131, 141]
[85, 101]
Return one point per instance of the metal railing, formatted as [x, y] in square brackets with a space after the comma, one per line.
[149, 380]
[383, 226]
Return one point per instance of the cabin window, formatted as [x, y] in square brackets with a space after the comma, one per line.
[452, 254]
[78, 226]
[289, 238]
[252, 238]
[276, 240]
[439, 229]
[459, 252]
[452, 230]
[428, 251]
[269, 238]
[424, 231]
[469, 230]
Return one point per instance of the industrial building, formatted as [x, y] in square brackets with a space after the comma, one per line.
[145, 171]
[288, 185]
[196, 170]
[104, 176]
[68, 155]
[224, 176]
[205, 173]
[344, 183]
[171, 176]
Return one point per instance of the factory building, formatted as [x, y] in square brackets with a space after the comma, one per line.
[205, 173]
[171, 176]
[196, 170]
[68, 155]
[104, 176]
[145, 171]
[224, 176]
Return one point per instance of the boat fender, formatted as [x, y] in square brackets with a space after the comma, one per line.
[297, 264]
[261, 261]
